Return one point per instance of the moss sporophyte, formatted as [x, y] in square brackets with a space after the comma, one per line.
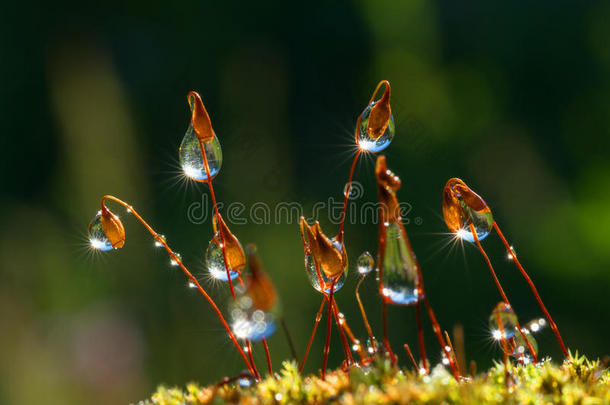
[255, 310]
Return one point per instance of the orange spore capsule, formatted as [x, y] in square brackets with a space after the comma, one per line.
[331, 258]
[235, 256]
[380, 115]
[200, 120]
[462, 207]
[113, 228]
[258, 285]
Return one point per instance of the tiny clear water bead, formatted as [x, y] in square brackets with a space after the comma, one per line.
[365, 141]
[365, 263]
[216, 262]
[177, 261]
[97, 236]
[158, 242]
[191, 159]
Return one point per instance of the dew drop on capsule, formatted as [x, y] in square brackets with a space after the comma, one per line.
[191, 159]
[503, 321]
[368, 143]
[365, 263]
[97, 236]
[400, 272]
[319, 280]
[482, 221]
[216, 262]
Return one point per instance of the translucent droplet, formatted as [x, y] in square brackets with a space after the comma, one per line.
[250, 322]
[365, 263]
[192, 285]
[158, 242]
[178, 260]
[216, 262]
[512, 253]
[521, 348]
[191, 159]
[482, 220]
[365, 141]
[502, 322]
[400, 273]
[97, 236]
[319, 280]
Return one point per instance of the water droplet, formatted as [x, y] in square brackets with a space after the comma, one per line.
[365, 263]
[509, 255]
[368, 143]
[216, 262]
[250, 322]
[191, 159]
[521, 349]
[97, 236]
[192, 285]
[278, 396]
[244, 382]
[319, 280]
[175, 262]
[502, 322]
[400, 273]
[482, 220]
[158, 242]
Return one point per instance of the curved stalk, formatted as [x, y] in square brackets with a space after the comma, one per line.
[178, 261]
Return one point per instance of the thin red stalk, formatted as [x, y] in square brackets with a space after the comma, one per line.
[313, 333]
[185, 271]
[269, 366]
[439, 336]
[410, 355]
[347, 192]
[249, 347]
[501, 290]
[534, 290]
[420, 336]
[328, 327]
[453, 356]
[386, 340]
[343, 329]
[222, 238]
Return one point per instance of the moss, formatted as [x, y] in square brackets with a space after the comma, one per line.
[580, 381]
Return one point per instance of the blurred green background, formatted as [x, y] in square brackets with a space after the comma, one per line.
[512, 97]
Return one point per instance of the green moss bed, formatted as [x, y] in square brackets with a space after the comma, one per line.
[579, 381]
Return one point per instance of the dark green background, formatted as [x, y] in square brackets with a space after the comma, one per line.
[512, 97]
